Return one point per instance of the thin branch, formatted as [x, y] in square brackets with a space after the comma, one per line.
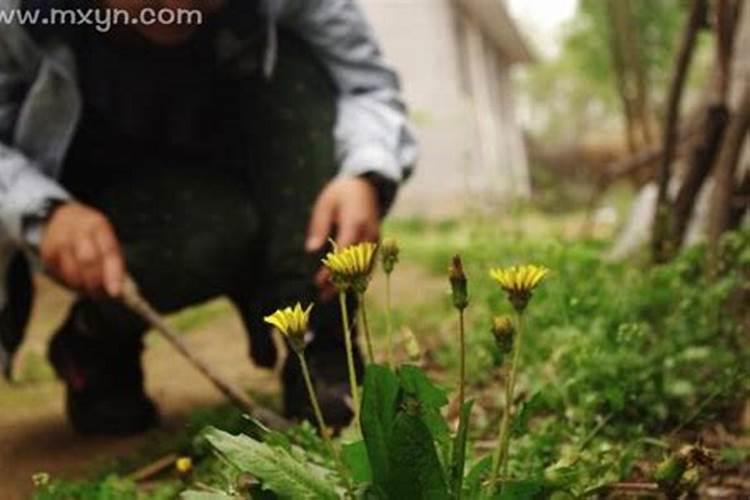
[695, 22]
[132, 298]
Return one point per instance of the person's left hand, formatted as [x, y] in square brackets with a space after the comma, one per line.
[350, 205]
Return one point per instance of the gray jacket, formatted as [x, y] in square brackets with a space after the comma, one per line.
[40, 107]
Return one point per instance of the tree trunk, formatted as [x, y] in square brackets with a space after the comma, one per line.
[701, 163]
[661, 230]
[618, 13]
[717, 116]
[726, 168]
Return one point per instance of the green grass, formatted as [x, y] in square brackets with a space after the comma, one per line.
[623, 361]
[617, 353]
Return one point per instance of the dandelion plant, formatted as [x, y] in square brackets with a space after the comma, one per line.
[293, 323]
[460, 294]
[519, 283]
[350, 270]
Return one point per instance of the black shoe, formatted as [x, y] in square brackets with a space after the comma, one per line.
[110, 414]
[328, 369]
[104, 385]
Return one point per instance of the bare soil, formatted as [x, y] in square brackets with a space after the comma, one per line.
[34, 435]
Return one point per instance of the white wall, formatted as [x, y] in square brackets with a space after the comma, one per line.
[458, 168]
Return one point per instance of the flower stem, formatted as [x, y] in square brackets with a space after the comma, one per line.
[365, 326]
[503, 441]
[389, 319]
[322, 424]
[462, 366]
[350, 356]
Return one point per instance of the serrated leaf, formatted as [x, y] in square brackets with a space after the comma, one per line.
[277, 469]
[415, 382]
[379, 405]
[415, 470]
[431, 399]
[459, 450]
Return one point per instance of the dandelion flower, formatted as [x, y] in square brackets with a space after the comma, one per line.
[350, 267]
[519, 282]
[293, 323]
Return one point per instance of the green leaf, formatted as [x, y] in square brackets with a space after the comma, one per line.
[355, 457]
[415, 470]
[473, 480]
[524, 490]
[459, 450]
[277, 469]
[431, 399]
[416, 383]
[520, 424]
[379, 405]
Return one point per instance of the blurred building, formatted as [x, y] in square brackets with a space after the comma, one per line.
[455, 57]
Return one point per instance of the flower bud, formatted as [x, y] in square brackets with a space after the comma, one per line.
[389, 252]
[504, 332]
[459, 284]
[184, 466]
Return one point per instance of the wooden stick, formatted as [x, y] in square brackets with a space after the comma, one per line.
[150, 470]
[132, 298]
[626, 487]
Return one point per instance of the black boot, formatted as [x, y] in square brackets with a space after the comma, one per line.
[103, 379]
[326, 356]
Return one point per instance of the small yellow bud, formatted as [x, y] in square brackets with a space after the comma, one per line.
[504, 332]
[184, 465]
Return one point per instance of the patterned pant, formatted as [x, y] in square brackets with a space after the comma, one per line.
[192, 233]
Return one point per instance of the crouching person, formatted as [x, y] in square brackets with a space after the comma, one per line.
[206, 159]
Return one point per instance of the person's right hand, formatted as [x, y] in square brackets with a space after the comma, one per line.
[79, 247]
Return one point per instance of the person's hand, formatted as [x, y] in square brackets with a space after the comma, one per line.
[79, 248]
[350, 205]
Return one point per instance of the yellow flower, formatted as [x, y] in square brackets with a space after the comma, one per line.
[350, 267]
[519, 282]
[184, 465]
[293, 322]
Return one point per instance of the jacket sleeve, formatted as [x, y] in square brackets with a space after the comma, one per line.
[372, 129]
[24, 189]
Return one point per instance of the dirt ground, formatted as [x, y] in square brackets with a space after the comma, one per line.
[34, 436]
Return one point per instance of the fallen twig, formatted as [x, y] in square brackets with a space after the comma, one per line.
[132, 298]
[152, 469]
[633, 487]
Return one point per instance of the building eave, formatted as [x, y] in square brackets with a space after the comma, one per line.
[494, 20]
